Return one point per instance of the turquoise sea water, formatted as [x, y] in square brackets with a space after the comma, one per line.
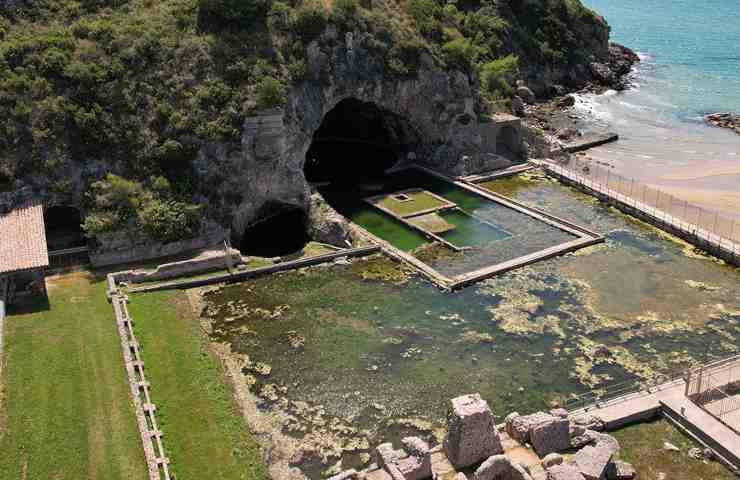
[691, 51]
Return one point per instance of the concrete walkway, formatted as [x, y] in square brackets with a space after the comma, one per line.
[669, 399]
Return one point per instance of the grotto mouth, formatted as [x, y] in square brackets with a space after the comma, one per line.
[356, 142]
[282, 234]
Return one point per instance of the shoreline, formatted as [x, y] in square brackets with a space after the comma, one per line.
[699, 163]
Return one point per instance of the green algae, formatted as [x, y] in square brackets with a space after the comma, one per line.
[370, 344]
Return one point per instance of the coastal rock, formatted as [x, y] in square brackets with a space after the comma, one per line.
[602, 73]
[567, 101]
[724, 120]
[499, 467]
[471, 431]
[551, 436]
[620, 471]
[526, 94]
[564, 472]
[559, 412]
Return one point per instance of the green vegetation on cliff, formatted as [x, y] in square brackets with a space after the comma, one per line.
[140, 87]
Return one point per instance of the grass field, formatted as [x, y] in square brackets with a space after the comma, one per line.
[65, 408]
[205, 437]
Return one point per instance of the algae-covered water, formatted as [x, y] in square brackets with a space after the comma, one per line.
[373, 351]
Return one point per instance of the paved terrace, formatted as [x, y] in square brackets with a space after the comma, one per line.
[669, 399]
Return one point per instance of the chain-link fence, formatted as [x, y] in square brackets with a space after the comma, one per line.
[710, 228]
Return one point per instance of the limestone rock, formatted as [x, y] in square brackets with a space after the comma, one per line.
[525, 94]
[590, 422]
[384, 455]
[564, 472]
[582, 439]
[517, 106]
[418, 465]
[519, 427]
[559, 412]
[620, 471]
[730, 121]
[346, 475]
[592, 461]
[326, 224]
[499, 467]
[461, 476]
[552, 459]
[471, 432]
[551, 436]
[567, 101]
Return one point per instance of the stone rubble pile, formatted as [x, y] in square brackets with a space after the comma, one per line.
[474, 439]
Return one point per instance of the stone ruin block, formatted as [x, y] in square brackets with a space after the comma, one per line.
[592, 461]
[551, 436]
[519, 427]
[499, 467]
[346, 475]
[564, 472]
[418, 465]
[471, 432]
[620, 471]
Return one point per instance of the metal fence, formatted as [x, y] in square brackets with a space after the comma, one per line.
[712, 221]
[717, 391]
[717, 233]
[67, 258]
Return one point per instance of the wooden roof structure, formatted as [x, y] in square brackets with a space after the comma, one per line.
[22, 238]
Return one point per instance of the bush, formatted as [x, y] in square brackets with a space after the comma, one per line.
[344, 10]
[310, 19]
[169, 221]
[270, 93]
[461, 53]
[498, 77]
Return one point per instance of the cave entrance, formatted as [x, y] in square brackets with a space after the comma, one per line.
[281, 234]
[356, 141]
[63, 227]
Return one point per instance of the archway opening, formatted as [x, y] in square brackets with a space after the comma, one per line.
[284, 233]
[508, 143]
[355, 142]
[63, 227]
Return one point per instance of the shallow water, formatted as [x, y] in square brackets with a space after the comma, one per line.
[375, 347]
[690, 67]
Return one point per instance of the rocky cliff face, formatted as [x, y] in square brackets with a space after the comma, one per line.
[436, 114]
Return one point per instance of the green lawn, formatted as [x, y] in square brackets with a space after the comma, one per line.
[204, 435]
[65, 407]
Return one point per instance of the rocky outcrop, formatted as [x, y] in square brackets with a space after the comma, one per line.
[564, 472]
[613, 72]
[519, 427]
[441, 131]
[730, 121]
[326, 225]
[471, 432]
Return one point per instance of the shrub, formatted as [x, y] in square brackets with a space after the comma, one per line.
[270, 93]
[461, 53]
[344, 10]
[170, 220]
[310, 19]
[498, 77]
